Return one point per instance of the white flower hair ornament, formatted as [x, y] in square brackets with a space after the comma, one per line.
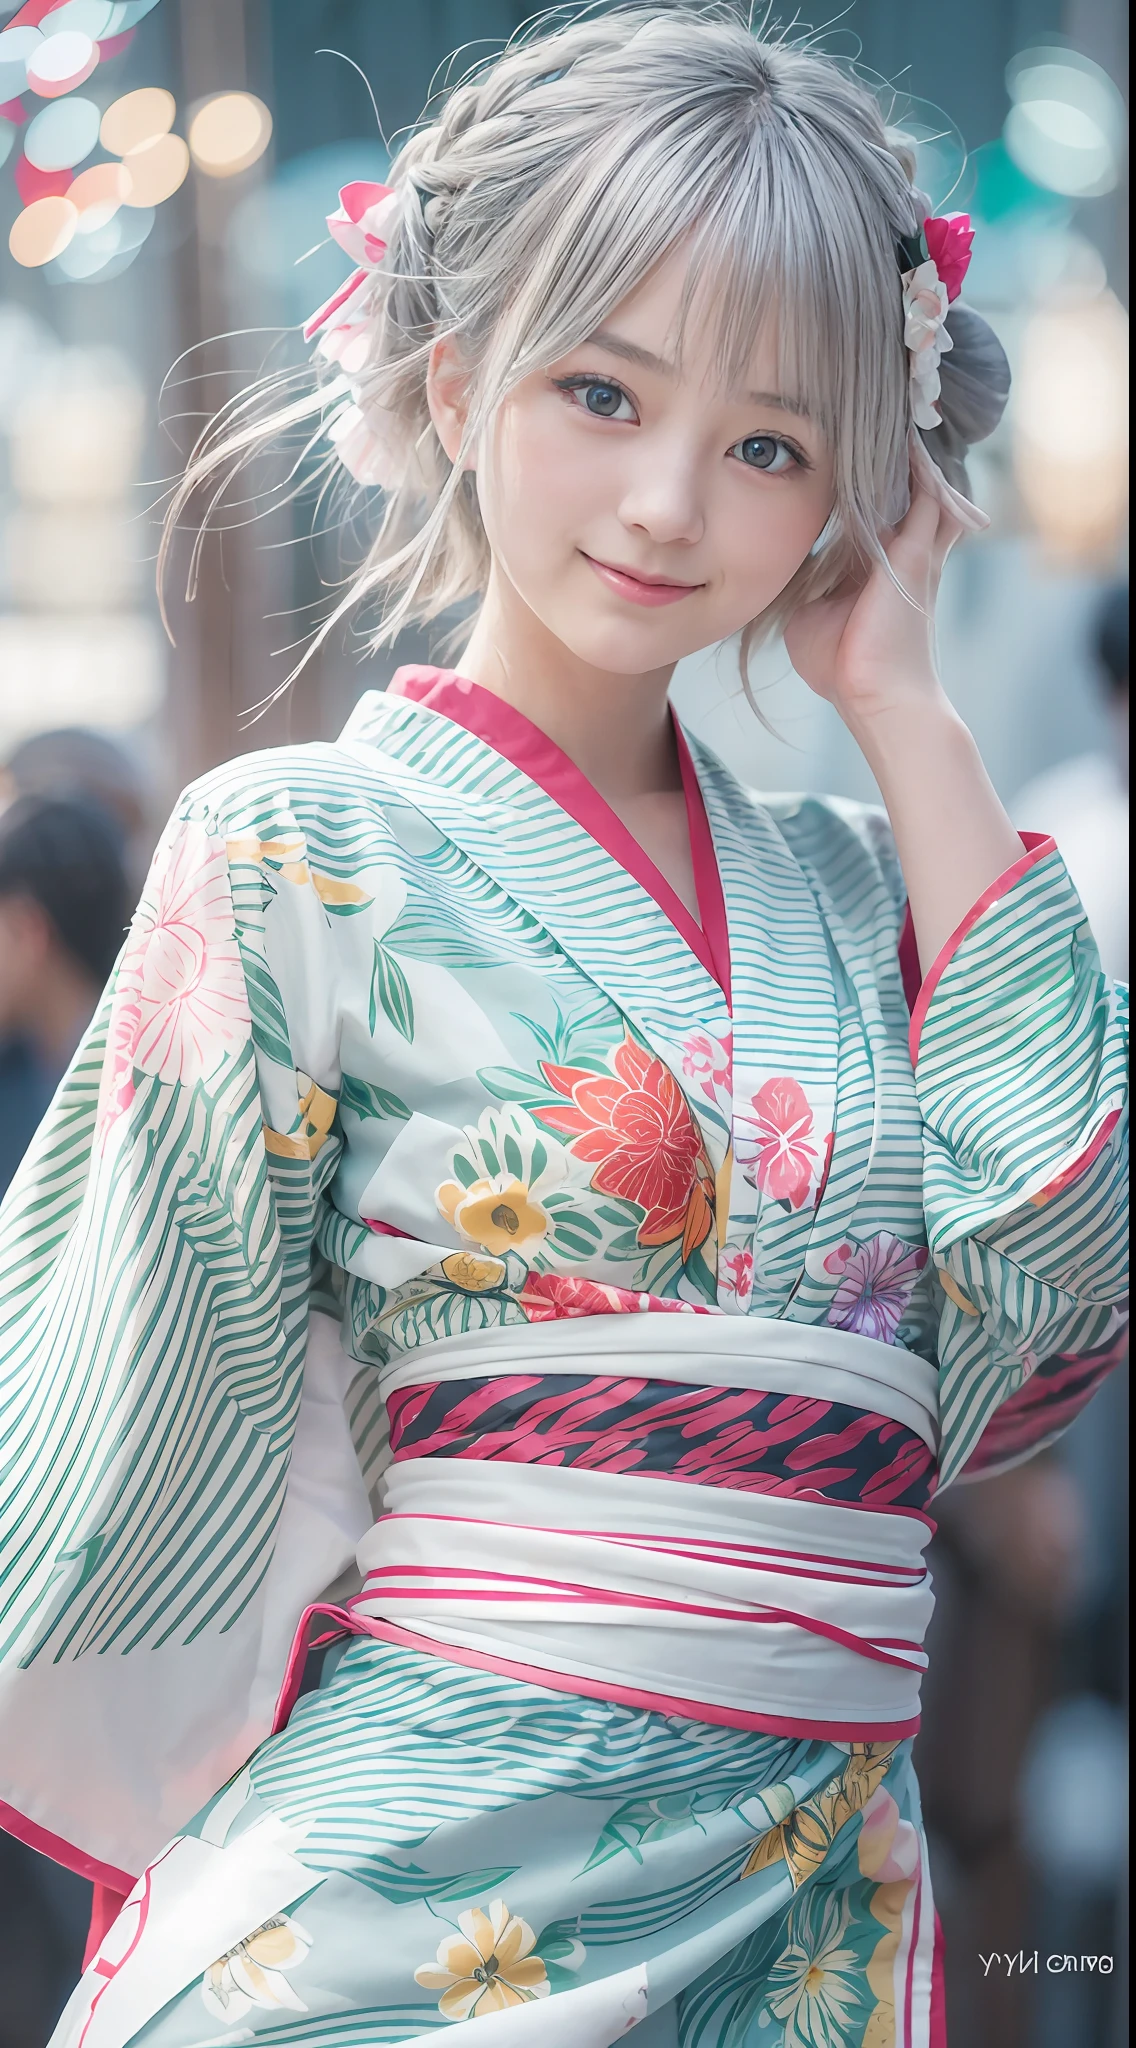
[367, 438]
[933, 264]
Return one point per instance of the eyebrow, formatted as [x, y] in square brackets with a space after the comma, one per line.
[631, 352]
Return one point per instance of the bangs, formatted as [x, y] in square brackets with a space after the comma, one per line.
[789, 239]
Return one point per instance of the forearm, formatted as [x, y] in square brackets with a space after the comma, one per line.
[951, 832]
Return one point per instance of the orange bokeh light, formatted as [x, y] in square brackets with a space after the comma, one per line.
[136, 119]
[156, 170]
[42, 231]
[98, 193]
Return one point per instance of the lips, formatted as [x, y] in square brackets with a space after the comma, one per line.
[637, 588]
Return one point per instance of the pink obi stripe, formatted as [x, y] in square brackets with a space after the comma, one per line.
[59, 1851]
[745, 1570]
[796, 1612]
[349, 1622]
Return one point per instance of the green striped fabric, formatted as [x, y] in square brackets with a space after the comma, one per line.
[353, 970]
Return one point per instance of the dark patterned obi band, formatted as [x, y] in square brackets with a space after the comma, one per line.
[752, 1441]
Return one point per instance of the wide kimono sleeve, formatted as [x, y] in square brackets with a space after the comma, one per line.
[1020, 1051]
[155, 1253]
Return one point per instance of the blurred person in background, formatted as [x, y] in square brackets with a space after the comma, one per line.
[73, 761]
[63, 909]
[71, 811]
[1084, 802]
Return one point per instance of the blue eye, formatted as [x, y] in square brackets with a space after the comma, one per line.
[604, 399]
[595, 395]
[764, 451]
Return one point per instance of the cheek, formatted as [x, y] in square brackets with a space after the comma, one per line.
[535, 480]
[764, 538]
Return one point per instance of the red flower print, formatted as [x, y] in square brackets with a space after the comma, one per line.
[635, 1126]
[547, 1297]
[735, 1273]
[778, 1158]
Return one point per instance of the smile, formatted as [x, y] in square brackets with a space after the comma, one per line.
[637, 589]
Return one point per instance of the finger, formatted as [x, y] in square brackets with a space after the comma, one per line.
[920, 523]
[950, 531]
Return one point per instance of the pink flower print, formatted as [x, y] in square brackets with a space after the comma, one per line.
[180, 1005]
[876, 1286]
[735, 1274]
[116, 1091]
[779, 1160]
[707, 1061]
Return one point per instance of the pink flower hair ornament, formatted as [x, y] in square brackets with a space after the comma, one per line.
[933, 264]
[367, 438]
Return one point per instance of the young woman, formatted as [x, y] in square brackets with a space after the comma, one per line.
[504, 1114]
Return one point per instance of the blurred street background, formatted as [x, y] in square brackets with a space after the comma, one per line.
[165, 170]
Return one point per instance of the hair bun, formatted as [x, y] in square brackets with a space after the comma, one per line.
[975, 384]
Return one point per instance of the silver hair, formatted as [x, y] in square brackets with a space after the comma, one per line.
[549, 184]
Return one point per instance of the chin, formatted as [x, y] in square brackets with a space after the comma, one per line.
[626, 650]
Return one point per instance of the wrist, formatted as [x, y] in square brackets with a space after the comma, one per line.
[922, 726]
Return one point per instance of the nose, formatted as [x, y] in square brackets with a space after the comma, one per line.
[663, 494]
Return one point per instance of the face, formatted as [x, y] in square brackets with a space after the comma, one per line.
[635, 505]
[25, 942]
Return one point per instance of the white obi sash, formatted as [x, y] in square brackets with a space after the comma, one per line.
[798, 1617]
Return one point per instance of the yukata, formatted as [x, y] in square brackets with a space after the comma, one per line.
[449, 1256]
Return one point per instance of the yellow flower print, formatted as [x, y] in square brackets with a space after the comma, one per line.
[498, 1214]
[954, 1292]
[288, 855]
[317, 1113]
[338, 895]
[252, 1974]
[803, 1839]
[465, 1269]
[488, 1967]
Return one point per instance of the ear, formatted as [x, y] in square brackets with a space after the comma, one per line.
[447, 395]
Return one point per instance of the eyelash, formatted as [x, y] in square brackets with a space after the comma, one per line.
[589, 381]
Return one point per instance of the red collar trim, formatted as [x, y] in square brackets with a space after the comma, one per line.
[518, 740]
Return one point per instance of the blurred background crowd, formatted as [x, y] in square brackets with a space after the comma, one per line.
[165, 170]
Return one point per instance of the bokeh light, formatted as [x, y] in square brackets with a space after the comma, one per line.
[97, 195]
[229, 132]
[1071, 425]
[42, 231]
[60, 63]
[1066, 126]
[93, 18]
[136, 119]
[156, 170]
[16, 46]
[34, 184]
[107, 250]
[62, 134]
[128, 13]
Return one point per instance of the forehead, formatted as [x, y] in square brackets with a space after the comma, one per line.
[683, 320]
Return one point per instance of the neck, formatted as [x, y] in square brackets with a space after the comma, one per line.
[615, 728]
